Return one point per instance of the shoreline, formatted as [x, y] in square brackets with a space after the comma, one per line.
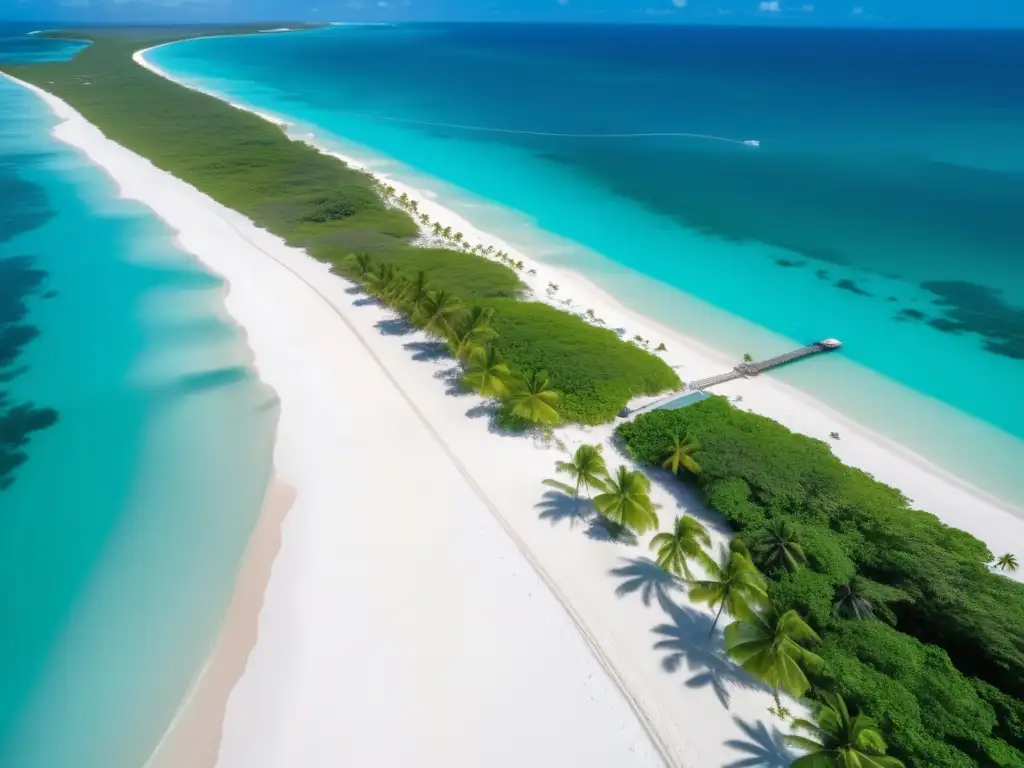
[298, 663]
[698, 358]
[193, 738]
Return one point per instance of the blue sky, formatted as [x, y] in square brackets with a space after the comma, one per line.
[1000, 13]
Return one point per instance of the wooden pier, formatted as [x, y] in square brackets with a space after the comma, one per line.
[746, 370]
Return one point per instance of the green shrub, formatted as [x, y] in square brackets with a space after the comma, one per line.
[594, 372]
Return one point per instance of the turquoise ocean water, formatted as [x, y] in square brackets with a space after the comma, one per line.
[135, 447]
[882, 206]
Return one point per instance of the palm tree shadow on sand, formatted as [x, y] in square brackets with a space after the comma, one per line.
[603, 529]
[687, 641]
[395, 326]
[556, 507]
[427, 351]
[761, 748]
[643, 575]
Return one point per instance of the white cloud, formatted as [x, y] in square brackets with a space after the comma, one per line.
[679, 3]
[769, 6]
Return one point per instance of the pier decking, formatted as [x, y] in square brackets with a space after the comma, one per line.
[745, 370]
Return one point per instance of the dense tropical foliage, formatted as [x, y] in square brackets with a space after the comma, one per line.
[916, 631]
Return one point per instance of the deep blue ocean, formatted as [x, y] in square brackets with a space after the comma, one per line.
[134, 453]
[883, 205]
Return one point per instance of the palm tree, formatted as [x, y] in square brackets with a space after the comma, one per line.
[627, 500]
[446, 232]
[1007, 562]
[487, 373]
[534, 400]
[852, 603]
[770, 646]
[681, 456]
[777, 545]
[685, 543]
[437, 229]
[379, 279]
[416, 291]
[436, 312]
[839, 740]
[469, 331]
[734, 584]
[363, 263]
[424, 219]
[586, 467]
[457, 237]
[393, 291]
[414, 206]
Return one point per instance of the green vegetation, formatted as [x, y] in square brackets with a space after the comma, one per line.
[733, 585]
[681, 456]
[916, 632]
[316, 202]
[627, 500]
[777, 547]
[687, 542]
[770, 646]
[840, 740]
[594, 372]
[462, 274]
[533, 400]
[586, 467]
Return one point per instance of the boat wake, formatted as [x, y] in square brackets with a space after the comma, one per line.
[488, 129]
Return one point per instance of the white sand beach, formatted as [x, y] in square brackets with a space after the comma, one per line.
[430, 602]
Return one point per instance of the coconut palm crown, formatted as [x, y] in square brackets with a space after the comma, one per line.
[487, 372]
[770, 646]
[777, 546]
[627, 500]
[1007, 562]
[534, 400]
[681, 456]
[469, 331]
[839, 740]
[733, 584]
[686, 542]
[436, 312]
[586, 467]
